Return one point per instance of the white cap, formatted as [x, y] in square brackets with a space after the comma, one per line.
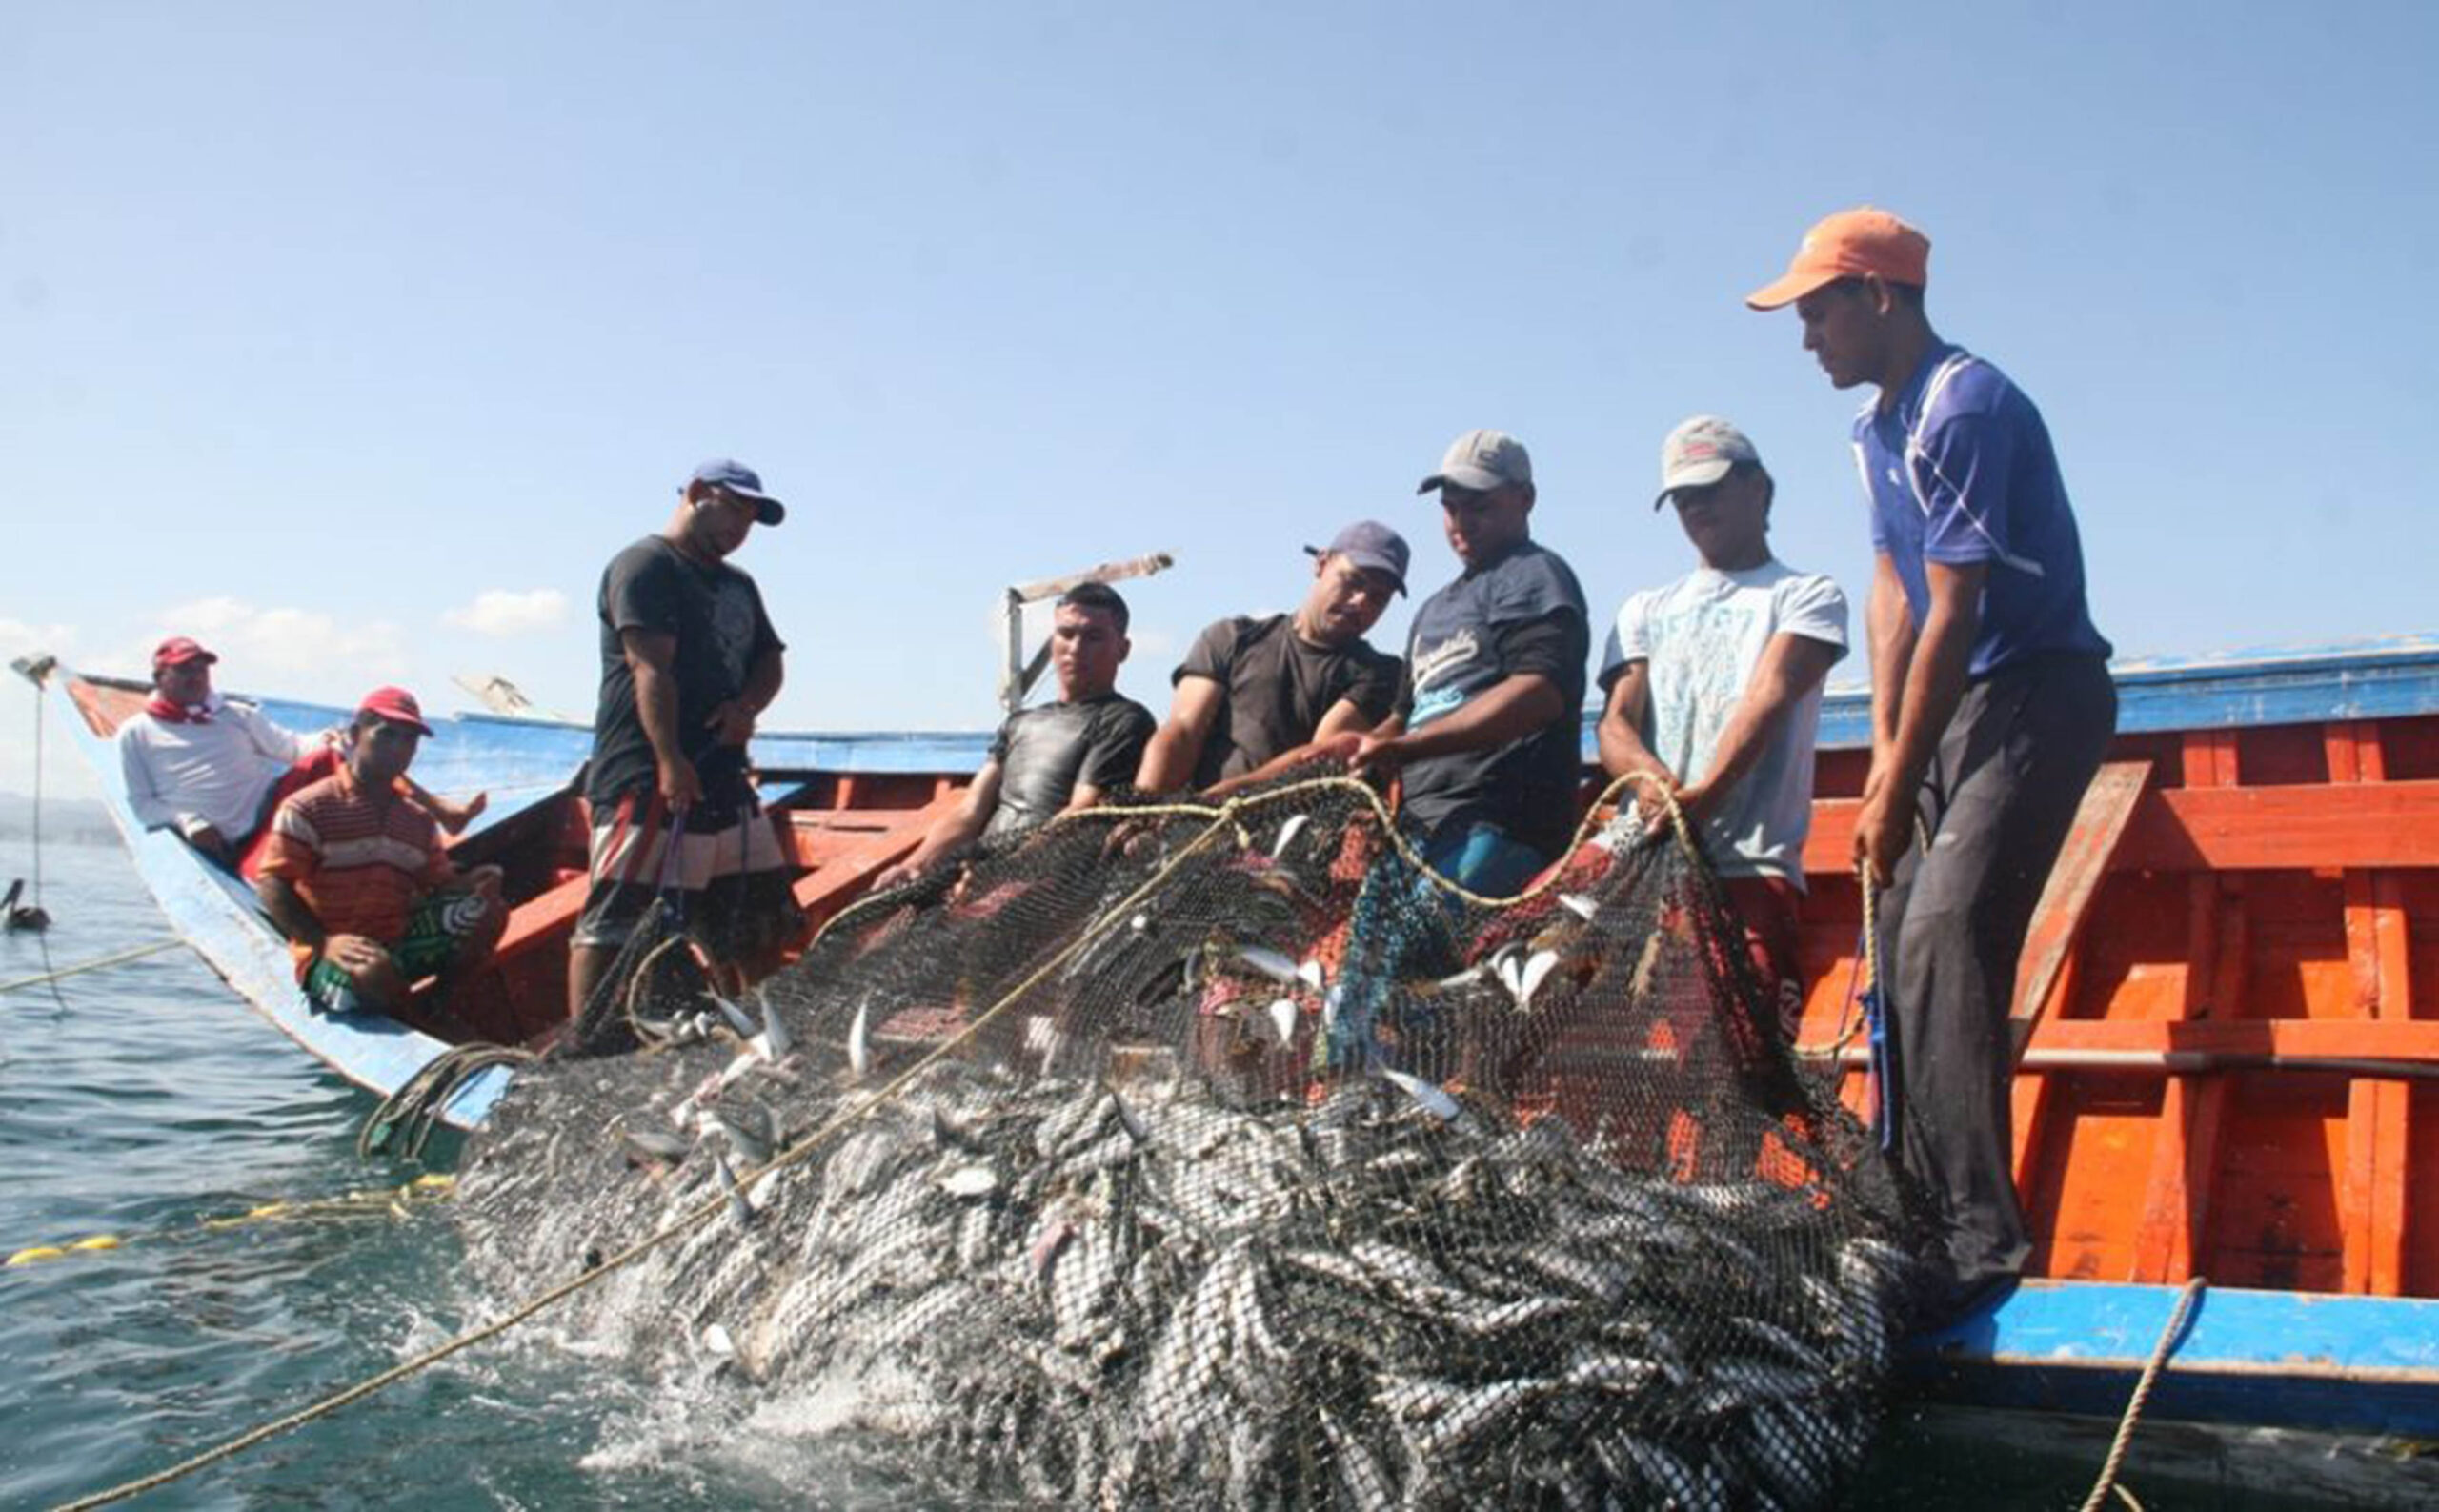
[1482, 460]
[1700, 452]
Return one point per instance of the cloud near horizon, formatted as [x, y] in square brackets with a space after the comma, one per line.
[264, 648]
[502, 611]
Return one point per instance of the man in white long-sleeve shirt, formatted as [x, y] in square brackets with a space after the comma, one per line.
[213, 769]
[198, 764]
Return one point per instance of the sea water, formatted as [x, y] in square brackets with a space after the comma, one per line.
[145, 1100]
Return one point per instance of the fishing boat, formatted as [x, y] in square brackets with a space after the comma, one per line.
[533, 828]
[2227, 1017]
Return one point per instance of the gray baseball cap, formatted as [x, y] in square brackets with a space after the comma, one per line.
[1700, 452]
[1369, 544]
[1482, 460]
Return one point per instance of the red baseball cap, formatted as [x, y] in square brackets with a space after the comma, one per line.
[1849, 244]
[180, 649]
[396, 705]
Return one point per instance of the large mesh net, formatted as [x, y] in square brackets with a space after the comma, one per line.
[1186, 1156]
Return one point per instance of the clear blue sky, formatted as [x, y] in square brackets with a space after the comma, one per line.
[322, 323]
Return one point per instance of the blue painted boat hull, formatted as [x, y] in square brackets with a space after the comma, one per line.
[2346, 1365]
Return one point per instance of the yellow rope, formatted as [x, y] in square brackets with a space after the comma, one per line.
[2151, 1369]
[364, 1204]
[1226, 813]
[96, 965]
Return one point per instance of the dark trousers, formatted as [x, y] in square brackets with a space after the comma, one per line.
[1997, 804]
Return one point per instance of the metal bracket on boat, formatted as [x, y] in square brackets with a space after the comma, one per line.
[1018, 675]
[504, 698]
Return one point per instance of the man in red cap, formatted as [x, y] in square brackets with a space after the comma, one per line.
[1991, 707]
[213, 769]
[357, 877]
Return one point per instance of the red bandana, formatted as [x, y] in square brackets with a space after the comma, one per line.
[167, 713]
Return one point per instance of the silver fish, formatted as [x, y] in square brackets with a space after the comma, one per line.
[735, 1014]
[752, 1150]
[859, 1041]
[1426, 1097]
[773, 1043]
[1275, 966]
[1287, 833]
[737, 1207]
[969, 1181]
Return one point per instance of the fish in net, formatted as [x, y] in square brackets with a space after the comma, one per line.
[1184, 1156]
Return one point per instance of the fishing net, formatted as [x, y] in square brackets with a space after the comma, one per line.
[1184, 1157]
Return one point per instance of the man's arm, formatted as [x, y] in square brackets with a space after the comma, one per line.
[353, 954]
[1334, 738]
[1176, 749]
[1791, 667]
[1888, 622]
[652, 655]
[1508, 709]
[143, 793]
[1934, 667]
[1620, 733]
[288, 910]
[957, 827]
[731, 722]
[275, 741]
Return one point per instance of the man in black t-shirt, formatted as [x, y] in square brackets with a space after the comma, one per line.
[1253, 694]
[1055, 756]
[1488, 728]
[689, 660]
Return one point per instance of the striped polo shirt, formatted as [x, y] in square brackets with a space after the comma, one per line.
[358, 863]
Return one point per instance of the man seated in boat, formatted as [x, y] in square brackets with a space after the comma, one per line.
[1054, 758]
[355, 876]
[1251, 693]
[1714, 689]
[214, 770]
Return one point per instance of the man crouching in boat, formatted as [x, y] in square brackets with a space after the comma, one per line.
[355, 876]
[1054, 757]
[214, 770]
[1254, 696]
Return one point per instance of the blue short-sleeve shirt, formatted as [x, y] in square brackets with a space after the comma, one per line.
[1959, 470]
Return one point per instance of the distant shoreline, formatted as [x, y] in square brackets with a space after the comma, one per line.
[67, 821]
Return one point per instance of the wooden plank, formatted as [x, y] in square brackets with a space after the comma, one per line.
[2175, 1213]
[2074, 880]
[2166, 1226]
[2381, 1040]
[843, 867]
[2392, 1191]
[2367, 824]
[2371, 1196]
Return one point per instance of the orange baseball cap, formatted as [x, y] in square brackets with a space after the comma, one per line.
[1849, 244]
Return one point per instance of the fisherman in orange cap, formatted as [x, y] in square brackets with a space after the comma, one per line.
[1991, 707]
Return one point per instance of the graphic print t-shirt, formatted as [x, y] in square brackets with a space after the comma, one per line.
[1521, 614]
[717, 615]
[1702, 636]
